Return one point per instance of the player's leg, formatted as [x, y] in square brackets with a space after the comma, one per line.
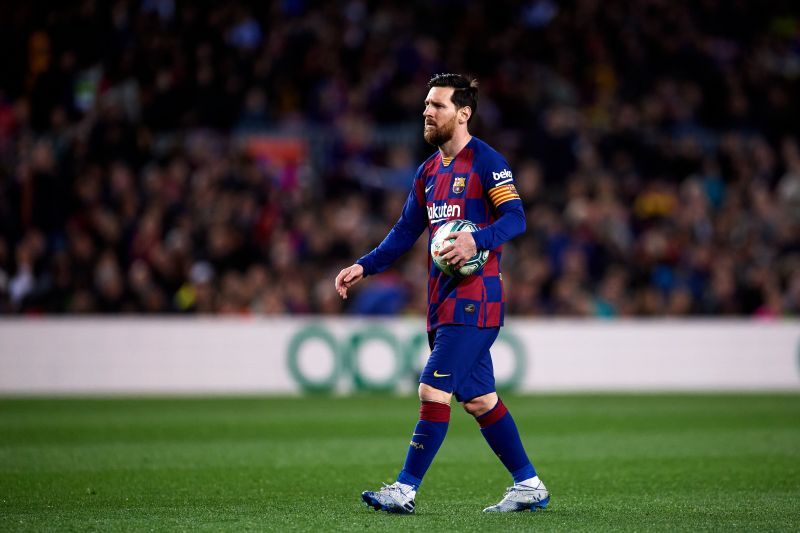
[501, 433]
[430, 429]
[429, 433]
[455, 350]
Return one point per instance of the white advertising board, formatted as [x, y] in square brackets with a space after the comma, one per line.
[292, 355]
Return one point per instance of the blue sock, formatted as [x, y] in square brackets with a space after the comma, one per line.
[425, 442]
[501, 433]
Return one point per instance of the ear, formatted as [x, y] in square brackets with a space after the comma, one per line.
[463, 114]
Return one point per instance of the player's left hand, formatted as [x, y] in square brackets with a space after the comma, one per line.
[460, 251]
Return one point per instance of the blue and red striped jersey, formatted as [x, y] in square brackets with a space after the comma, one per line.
[477, 185]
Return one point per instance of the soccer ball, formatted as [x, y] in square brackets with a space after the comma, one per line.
[438, 242]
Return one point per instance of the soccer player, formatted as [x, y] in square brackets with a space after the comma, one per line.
[464, 179]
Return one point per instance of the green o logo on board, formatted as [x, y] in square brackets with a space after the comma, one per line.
[346, 354]
[313, 332]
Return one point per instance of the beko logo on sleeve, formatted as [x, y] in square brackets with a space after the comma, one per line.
[504, 175]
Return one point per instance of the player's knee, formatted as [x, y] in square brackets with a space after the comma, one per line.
[480, 405]
[432, 394]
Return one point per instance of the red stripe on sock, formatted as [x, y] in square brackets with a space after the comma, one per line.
[434, 412]
[497, 412]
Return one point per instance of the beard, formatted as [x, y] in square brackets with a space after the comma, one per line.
[440, 135]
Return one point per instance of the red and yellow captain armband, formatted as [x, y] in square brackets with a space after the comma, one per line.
[502, 194]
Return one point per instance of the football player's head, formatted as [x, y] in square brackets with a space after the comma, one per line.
[465, 90]
[452, 101]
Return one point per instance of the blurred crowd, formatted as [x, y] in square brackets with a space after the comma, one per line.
[144, 165]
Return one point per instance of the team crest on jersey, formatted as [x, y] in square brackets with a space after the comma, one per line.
[459, 184]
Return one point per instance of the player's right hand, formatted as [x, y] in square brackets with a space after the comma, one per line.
[347, 278]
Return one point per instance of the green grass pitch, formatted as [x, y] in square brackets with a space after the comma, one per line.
[714, 462]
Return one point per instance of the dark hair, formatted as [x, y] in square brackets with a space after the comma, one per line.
[465, 93]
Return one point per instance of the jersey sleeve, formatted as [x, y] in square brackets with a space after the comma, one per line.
[501, 194]
[498, 182]
[412, 222]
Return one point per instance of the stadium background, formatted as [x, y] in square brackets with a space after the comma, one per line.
[181, 181]
[173, 157]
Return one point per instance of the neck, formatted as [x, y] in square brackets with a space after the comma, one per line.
[456, 143]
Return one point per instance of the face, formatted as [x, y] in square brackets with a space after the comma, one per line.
[440, 116]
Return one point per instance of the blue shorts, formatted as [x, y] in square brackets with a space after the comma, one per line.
[460, 361]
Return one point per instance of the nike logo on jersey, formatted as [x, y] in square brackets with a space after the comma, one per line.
[429, 187]
[436, 374]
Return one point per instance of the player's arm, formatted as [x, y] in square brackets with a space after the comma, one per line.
[502, 196]
[510, 223]
[400, 239]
